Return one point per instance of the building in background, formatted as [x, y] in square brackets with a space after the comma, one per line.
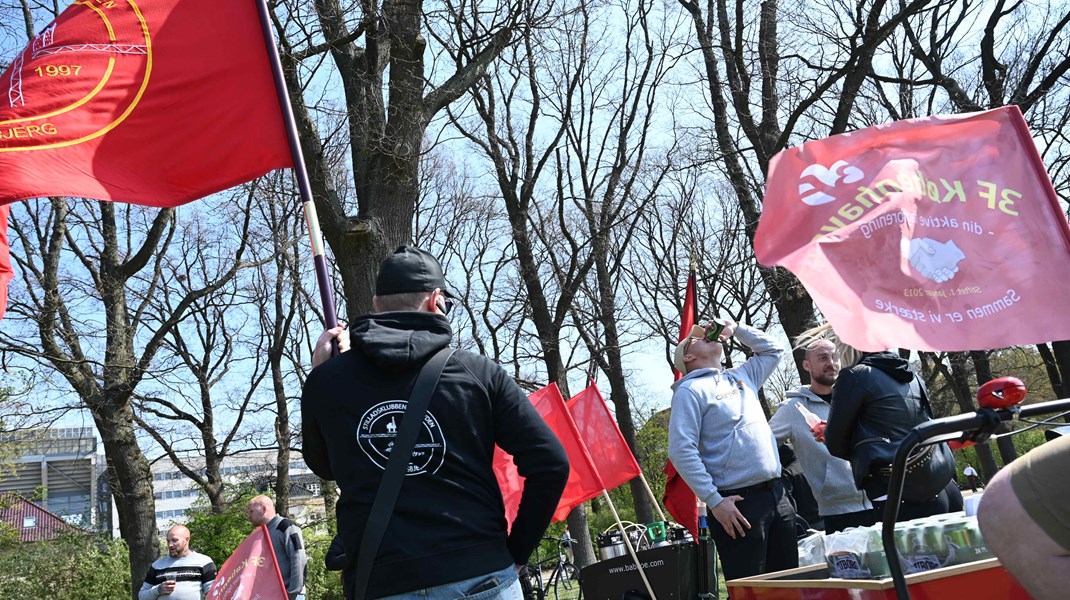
[60, 470]
[176, 493]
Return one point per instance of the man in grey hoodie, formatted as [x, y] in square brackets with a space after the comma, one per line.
[721, 444]
[839, 503]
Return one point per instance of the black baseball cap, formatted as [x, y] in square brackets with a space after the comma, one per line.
[409, 269]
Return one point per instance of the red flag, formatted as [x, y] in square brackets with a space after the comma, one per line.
[6, 274]
[926, 234]
[510, 482]
[583, 480]
[154, 103]
[250, 572]
[679, 500]
[599, 432]
[689, 315]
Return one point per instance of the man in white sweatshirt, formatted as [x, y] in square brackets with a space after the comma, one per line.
[839, 503]
[721, 444]
[181, 575]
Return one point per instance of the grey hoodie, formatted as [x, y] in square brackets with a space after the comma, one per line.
[718, 435]
[830, 478]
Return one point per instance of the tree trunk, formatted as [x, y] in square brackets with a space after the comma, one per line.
[960, 383]
[282, 434]
[1052, 368]
[582, 548]
[983, 369]
[1061, 351]
[330, 500]
[130, 479]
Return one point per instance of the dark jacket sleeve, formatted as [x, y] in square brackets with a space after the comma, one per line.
[313, 444]
[848, 396]
[539, 458]
[335, 558]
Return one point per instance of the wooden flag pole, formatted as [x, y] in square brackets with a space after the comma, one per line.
[657, 505]
[628, 544]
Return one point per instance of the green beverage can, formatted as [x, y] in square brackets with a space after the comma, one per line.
[874, 559]
[936, 542]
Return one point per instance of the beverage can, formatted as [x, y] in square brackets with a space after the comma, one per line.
[714, 330]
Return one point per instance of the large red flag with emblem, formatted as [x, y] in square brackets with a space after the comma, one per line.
[154, 103]
[251, 572]
[584, 482]
[6, 272]
[679, 500]
[932, 234]
[600, 434]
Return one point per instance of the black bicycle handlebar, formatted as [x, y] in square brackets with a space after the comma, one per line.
[977, 427]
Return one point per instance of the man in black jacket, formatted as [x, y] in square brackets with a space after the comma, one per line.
[878, 401]
[448, 534]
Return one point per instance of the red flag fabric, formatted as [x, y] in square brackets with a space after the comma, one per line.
[510, 482]
[612, 457]
[678, 498]
[928, 234]
[583, 480]
[154, 103]
[250, 572]
[680, 501]
[689, 315]
[6, 273]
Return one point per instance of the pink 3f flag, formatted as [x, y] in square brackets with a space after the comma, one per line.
[936, 234]
[251, 572]
[154, 103]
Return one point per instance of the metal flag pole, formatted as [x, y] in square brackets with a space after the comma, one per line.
[330, 316]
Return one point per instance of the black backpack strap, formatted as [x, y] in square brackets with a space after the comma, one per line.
[389, 487]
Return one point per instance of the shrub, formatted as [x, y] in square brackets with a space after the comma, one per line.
[73, 567]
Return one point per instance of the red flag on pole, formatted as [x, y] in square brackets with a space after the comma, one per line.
[6, 273]
[154, 103]
[679, 500]
[689, 314]
[926, 233]
[584, 482]
[250, 572]
[600, 434]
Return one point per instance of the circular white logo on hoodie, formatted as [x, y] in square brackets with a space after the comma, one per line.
[379, 427]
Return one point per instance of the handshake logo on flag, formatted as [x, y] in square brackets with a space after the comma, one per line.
[937, 261]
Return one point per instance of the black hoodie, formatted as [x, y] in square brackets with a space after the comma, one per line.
[449, 523]
[874, 398]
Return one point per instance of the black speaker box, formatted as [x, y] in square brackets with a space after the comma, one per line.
[672, 571]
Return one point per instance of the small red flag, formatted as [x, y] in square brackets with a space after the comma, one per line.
[154, 103]
[6, 273]
[689, 315]
[583, 480]
[250, 572]
[679, 500]
[600, 434]
[928, 234]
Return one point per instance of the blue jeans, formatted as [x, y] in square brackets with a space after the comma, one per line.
[500, 585]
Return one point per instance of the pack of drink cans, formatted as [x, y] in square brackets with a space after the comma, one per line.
[922, 544]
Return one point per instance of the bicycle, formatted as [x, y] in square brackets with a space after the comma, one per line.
[562, 573]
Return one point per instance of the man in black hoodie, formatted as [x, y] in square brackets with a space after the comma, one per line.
[448, 534]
